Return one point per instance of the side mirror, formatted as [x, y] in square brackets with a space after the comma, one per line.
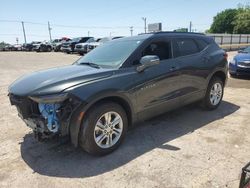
[148, 61]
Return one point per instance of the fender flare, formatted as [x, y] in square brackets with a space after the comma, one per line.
[77, 118]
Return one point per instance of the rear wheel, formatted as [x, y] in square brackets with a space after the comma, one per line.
[214, 94]
[49, 49]
[103, 129]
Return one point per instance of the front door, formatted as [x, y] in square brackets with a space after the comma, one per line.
[160, 90]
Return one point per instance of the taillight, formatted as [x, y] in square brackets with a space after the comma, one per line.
[225, 56]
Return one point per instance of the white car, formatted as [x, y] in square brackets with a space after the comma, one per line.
[81, 48]
[93, 45]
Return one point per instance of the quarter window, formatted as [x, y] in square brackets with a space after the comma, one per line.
[201, 43]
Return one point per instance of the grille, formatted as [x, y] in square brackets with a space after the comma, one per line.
[244, 63]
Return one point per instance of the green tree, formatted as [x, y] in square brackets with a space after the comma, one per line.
[242, 21]
[224, 21]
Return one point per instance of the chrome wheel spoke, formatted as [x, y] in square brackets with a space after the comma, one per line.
[100, 138]
[99, 126]
[107, 117]
[116, 121]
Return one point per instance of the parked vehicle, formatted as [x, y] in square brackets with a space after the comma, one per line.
[42, 47]
[3, 46]
[240, 64]
[57, 43]
[82, 47]
[96, 99]
[13, 47]
[93, 45]
[30, 46]
[69, 47]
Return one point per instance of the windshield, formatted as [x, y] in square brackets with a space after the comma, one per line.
[247, 50]
[111, 54]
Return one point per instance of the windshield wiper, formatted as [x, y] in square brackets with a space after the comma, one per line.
[90, 64]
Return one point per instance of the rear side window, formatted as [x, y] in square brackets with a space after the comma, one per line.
[201, 44]
[183, 47]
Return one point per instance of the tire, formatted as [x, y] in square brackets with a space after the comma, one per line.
[210, 102]
[49, 49]
[90, 133]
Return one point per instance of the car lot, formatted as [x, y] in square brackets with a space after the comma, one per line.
[188, 147]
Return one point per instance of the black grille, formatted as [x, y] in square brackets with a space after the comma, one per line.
[25, 106]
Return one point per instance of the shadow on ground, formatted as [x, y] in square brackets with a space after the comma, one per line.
[62, 160]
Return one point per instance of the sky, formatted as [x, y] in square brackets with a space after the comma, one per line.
[101, 18]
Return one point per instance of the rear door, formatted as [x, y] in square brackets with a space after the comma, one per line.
[191, 58]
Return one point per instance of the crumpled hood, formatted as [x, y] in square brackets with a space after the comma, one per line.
[56, 80]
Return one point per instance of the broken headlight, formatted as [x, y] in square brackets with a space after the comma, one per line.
[49, 106]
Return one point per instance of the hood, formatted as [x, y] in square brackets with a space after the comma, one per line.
[82, 44]
[56, 80]
[95, 43]
[242, 57]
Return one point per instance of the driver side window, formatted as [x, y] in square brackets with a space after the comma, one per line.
[160, 49]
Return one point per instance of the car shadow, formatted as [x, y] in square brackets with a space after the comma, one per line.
[60, 159]
[242, 77]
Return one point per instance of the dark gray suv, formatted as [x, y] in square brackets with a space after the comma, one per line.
[96, 99]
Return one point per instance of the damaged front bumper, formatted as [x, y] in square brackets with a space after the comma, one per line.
[47, 116]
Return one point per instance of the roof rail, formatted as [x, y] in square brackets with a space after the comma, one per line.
[174, 32]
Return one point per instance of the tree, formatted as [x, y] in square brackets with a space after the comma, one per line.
[242, 21]
[224, 21]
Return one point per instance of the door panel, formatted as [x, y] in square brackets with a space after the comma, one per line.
[160, 91]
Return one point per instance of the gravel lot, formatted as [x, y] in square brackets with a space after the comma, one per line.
[188, 147]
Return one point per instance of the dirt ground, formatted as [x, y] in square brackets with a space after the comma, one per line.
[188, 147]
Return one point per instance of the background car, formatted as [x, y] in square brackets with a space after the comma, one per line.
[82, 48]
[57, 43]
[93, 45]
[240, 64]
[43, 47]
[69, 46]
[30, 46]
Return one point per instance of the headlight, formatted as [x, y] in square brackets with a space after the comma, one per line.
[233, 62]
[50, 98]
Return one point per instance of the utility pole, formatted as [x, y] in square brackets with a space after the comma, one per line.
[190, 26]
[49, 28]
[145, 24]
[24, 35]
[131, 30]
[88, 33]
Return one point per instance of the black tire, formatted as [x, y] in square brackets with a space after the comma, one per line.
[49, 49]
[86, 136]
[206, 102]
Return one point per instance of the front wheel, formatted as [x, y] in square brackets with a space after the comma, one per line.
[214, 94]
[103, 129]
